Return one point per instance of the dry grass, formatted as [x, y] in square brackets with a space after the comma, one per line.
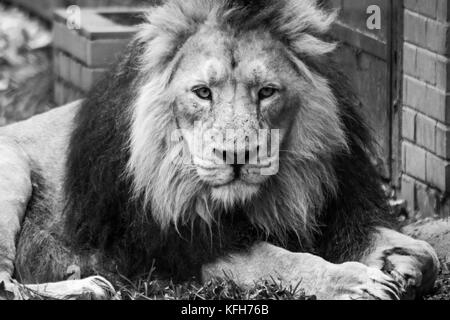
[442, 287]
[225, 289]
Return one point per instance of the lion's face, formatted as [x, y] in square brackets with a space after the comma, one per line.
[235, 111]
[235, 98]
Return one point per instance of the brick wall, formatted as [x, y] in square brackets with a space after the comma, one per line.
[82, 56]
[426, 107]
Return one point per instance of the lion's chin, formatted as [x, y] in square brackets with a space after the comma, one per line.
[234, 193]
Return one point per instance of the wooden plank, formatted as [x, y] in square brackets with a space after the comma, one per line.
[360, 40]
[368, 75]
[354, 14]
[397, 31]
[367, 58]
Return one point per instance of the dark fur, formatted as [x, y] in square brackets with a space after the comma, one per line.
[361, 204]
[101, 213]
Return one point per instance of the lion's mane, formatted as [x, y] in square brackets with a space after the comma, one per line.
[127, 197]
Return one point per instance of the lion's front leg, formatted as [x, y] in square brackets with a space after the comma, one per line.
[313, 274]
[411, 262]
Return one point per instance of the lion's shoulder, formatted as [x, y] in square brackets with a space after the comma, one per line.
[53, 123]
[45, 139]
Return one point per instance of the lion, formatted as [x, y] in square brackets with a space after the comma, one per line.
[117, 183]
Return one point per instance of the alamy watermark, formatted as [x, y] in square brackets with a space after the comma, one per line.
[73, 17]
[374, 19]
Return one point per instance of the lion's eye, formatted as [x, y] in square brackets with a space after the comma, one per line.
[203, 93]
[266, 93]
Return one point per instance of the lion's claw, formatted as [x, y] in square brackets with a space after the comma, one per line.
[355, 281]
[9, 290]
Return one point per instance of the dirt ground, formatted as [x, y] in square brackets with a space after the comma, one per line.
[442, 288]
[26, 88]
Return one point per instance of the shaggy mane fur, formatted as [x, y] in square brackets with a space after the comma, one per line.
[128, 198]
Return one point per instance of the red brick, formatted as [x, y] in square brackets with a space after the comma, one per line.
[58, 93]
[426, 99]
[443, 10]
[427, 8]
[437, 36]
[411, 5]
[415, 28]
[75, 73]
[403, 157]
[56, 58]
[438, 172]
[415, 164]
[443, 141]
[405, 90]
[426, 132]
[426, 66]
[409, 124]
[102, 53]
[69, 41]
[426, 33]
[409, 59]
[442, 73]
[448, 77]
[447, 102]
[414, 96]
[89, 77]
[71, 93]
[64, 67]
[424, 7]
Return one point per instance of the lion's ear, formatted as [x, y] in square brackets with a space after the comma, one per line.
[168, 27]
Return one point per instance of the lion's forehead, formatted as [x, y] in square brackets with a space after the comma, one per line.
[219, 57]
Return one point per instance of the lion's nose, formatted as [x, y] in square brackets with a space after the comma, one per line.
[233, 158]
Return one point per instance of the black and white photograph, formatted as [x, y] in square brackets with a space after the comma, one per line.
[224, 150]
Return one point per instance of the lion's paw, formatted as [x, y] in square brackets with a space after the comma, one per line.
[355, 281]
[415, 270]
[10, 291]
[96, 288]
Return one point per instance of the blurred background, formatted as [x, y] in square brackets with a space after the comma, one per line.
[26, 78]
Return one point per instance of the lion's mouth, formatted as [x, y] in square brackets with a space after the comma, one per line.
[235, 191]
[232, 175]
